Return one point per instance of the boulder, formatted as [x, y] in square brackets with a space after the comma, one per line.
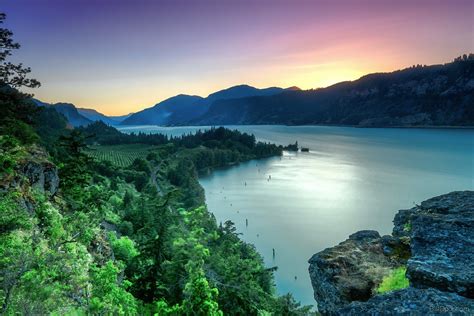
[434, 240]
[411, 301]
[40, 173]
[441, 231]
[349, 271]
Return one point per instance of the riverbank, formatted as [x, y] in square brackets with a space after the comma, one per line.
[352, 179]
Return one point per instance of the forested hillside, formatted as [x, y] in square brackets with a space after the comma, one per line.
[437, 95]
[81, 236]
[180, 109]
[84, 235]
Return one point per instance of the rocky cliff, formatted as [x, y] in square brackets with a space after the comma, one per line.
[433, 242]
[34, 169]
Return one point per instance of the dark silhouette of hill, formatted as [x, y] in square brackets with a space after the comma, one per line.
[95, 116]
[437, 95]
[69, 111]
[182, 108]
[417, 96]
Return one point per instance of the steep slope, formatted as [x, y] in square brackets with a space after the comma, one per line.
[69, 111]
[429, 95]
[181, 106]
[242, 91]
[93, 115]
[183, 109]
[120, 118]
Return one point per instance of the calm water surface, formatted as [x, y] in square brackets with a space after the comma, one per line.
[351, 179]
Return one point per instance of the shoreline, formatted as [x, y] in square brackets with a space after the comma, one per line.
[124, 127]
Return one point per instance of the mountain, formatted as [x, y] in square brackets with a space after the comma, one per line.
[81, 116]
[69, 111]
[242, 91]
[93, 115]
[417, 96]
[120, 118]
[181, 109]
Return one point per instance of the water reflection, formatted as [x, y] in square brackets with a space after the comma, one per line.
[352, 179]
[346, 183]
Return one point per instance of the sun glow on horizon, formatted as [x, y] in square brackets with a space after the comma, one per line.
[126, 56]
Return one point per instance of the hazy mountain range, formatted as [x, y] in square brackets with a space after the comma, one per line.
[183, 108]
[416, 96]
[80, 116]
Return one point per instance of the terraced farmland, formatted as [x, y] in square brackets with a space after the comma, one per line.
[119, 155]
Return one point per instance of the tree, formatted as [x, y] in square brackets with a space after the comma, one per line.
[109, 295]
[16, 108]
[200, 297]
[11, 74]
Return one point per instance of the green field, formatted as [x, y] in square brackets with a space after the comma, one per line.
[119, 155]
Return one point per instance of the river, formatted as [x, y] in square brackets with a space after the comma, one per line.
[351, 179]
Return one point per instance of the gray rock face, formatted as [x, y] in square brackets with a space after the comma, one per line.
[42, 176]
[411, 301]
[36, 171]
[434, 240]
[349, 271]
[442, 242]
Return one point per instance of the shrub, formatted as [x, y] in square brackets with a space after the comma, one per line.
[124, 247]
[396, 280]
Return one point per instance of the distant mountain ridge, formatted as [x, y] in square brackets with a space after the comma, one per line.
[81, 116]
[179, 108]
[69, 111]
[183, 108]
[438, 95]
[417, 96]
[94, 116]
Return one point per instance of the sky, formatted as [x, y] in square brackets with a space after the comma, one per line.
[120, 56]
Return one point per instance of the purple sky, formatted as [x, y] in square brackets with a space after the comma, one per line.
[120, 56]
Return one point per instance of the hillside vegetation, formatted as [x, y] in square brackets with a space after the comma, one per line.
[438, 95]
[81, 236]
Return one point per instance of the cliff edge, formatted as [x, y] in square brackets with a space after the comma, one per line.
[424, 267]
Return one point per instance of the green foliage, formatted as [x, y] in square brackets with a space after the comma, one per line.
[286, 305]
[127, 240]
[22, 131]
[163, 309]
[109, 295]
[13, 217]
[407, 227]
[123, 247]
[396, 280]
[200, 298]
[119, 155]
[11, 74]
[11, 152]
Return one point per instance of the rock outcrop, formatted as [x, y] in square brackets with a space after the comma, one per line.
[40, 173]
[32, 170]
[441, 231]
[411, 301]
[349, 271]
[434, 241]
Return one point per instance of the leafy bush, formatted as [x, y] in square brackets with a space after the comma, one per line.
[124, 248]
[396, 280]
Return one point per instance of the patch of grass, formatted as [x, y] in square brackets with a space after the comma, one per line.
[396, 280]
[407, 227]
